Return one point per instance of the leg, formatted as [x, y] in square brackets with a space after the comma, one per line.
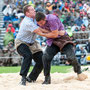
[24, 51]
[37, 68]
[68, 50]
[48, 55]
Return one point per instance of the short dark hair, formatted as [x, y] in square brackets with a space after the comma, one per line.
[39, 16]
[25, 9]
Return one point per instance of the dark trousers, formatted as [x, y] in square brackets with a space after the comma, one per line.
[52, 50]
[24, 51]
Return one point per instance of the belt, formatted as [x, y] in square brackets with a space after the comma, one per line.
[30, 44]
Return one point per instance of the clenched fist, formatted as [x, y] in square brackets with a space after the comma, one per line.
[61, 33]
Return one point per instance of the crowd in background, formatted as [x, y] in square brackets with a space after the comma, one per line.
[74, 14]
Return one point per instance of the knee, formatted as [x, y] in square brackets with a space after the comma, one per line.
[74, 62]
[28, 56]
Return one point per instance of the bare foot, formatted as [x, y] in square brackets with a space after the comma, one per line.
[81, 77]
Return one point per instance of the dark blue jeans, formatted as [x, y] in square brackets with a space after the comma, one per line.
[24, 51]
[52, 50]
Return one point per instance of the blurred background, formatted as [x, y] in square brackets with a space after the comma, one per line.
[74, 14]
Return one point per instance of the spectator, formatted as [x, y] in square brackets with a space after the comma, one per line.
[54, 6]
[8, 10]
[13, 16]
[39, 7]
[78, 53]
[68, 19]
[88, 45]
[30, 3]
[47, 11]
[49, 6]
[16, 32]
[89, 26]
[75, 28]
[12, 28]
[9, 37]
[83, 27]
[79, 21]
[69, 31]
[6, 19]
[15, 19]
[85, 21]
[1, 47]
[4, 7]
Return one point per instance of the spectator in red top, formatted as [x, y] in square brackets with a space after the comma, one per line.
[67, 6]
[12, 28]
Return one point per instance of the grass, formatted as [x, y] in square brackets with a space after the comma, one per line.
[61, 69]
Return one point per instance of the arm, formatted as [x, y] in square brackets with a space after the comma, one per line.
[44, 30]
[52, 34]
[48, 34]
[61, 32]
[38, 31]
